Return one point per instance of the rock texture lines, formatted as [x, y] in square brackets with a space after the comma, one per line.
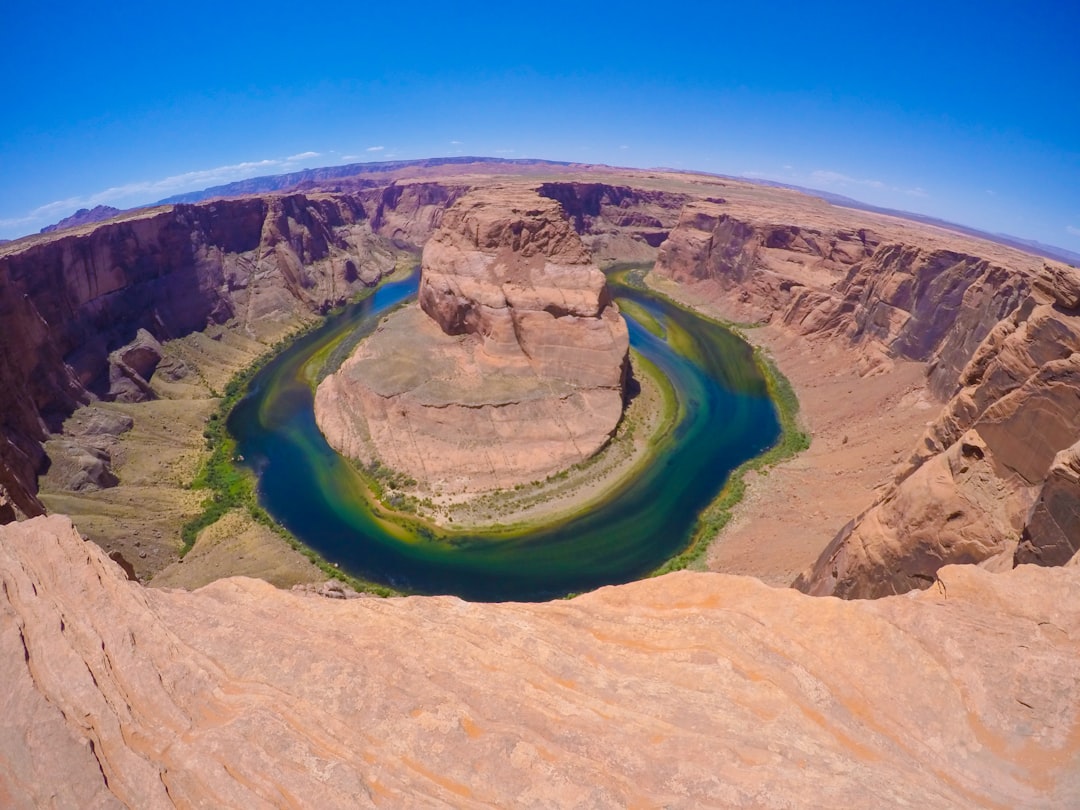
[512, 367]
[689, 690]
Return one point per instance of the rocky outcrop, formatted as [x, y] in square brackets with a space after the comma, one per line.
[999, 335]
[992, 469]
[617, 223]
[408, 213]
[1052, 533]
[906, 301]
[686, 690]
[886, 299]
[512, 367]
[84, 311]
[765, 264]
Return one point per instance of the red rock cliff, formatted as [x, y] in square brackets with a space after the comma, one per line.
[67, 301]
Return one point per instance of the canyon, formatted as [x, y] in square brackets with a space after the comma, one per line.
[938, 375]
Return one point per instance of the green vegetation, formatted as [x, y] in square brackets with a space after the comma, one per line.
[632, 274]
[232, 487]
[792, 440]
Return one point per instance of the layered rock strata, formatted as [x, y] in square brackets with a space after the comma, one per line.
[617, 223]
[998, 334]
[73, 302]
[512, 366]
[688, 690]
[992, 471]
[83, 310]
[763, 264]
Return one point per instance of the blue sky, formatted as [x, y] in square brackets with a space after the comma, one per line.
[966, 111]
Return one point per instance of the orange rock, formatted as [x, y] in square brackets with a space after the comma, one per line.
[512, 368]
[687, 690]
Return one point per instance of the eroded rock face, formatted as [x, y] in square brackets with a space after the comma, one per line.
[908, 301]
[512, 367]
[83, 311]
[686, 690]
[617, 223]
[992, 469]
[1052, 533]
[763, 264]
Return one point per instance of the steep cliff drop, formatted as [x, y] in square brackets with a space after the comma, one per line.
[512, 367]
[689, 690]
[993, 480]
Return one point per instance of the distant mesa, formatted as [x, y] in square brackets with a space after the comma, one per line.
[84, 216]
[512, 367]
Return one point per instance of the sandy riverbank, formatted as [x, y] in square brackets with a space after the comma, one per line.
[861, 428]
[650, 414]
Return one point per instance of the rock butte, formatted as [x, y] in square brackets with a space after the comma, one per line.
[512, 367]
[687, 690]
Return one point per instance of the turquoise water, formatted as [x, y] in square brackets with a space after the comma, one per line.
[726, 417]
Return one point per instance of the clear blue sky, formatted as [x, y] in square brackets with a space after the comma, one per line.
[966, 111]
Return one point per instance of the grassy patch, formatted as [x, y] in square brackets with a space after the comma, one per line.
[792, 440]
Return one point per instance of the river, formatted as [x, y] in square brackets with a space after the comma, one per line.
[726, 417]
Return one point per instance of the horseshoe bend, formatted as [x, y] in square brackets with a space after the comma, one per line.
[164, 645]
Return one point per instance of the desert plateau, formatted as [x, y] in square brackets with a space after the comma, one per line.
[883, 612]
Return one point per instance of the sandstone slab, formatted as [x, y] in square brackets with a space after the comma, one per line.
[688, 690]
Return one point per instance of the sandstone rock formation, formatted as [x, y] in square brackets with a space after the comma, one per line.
[70, 299]
[763, 262]
[969, 492]
[83, 310]
[689, 690]
[1052, 533]
[998, 332]
[512, 368]
[617, 222]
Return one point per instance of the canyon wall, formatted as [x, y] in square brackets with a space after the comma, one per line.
[79, 305]
[84, 308]
[688, 690]
[617, 223]
[991, 481]
[685, 690]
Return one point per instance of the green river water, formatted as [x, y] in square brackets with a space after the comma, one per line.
[725, 418]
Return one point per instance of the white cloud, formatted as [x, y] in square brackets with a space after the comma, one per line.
[830, 178]
[504, 151]
[301, 156]
[142, 192]
[455, 143]
[827, 178]
[624, 146]
[1073, 230]
[375, 148]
